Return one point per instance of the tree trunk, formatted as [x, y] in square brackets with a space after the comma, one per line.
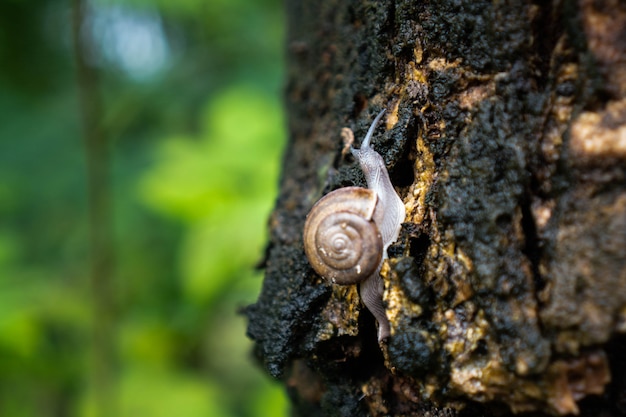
[505, 136]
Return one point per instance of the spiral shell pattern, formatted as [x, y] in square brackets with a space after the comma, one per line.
[341, 240]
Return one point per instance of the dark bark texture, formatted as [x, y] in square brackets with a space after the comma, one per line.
[505, 136]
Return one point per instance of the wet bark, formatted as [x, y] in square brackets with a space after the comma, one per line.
[505, 136]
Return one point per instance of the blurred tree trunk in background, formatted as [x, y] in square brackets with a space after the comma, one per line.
[505, 136]
[101, 249]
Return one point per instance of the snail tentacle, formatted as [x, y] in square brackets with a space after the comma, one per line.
[370, 131]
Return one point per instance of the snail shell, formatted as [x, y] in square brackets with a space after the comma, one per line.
[341, 240]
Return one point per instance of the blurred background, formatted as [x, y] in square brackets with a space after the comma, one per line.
[140, 146]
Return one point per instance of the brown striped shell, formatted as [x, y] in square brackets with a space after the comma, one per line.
[341, 240]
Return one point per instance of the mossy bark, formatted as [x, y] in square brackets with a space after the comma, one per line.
[505, 136]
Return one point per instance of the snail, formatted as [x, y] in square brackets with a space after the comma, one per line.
[348, 231]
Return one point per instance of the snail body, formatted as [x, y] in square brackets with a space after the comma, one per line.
[348, 231]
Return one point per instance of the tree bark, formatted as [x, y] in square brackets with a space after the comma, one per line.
[505, 136]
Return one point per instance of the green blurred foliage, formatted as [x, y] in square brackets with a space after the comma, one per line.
[191, 107]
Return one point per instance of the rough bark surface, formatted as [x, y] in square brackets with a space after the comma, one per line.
[505, 136]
